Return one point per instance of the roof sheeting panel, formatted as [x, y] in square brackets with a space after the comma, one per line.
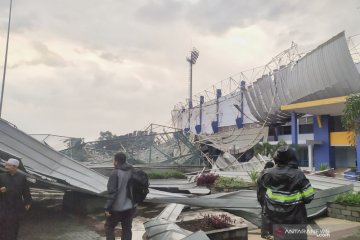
[328, 71]
[243, 138]
[256, 101]
[245, 203]
[45, 160]
[250, 104]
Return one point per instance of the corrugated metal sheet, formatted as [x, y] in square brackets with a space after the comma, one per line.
[328, 71]
[171, 212]
[243, 138]
[163, 227]
[160, 229]
[244, 202]
[45, 160]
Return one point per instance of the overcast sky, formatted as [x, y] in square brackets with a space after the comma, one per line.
[78, 67]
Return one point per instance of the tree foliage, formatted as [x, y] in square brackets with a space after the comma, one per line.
[107, 135]
[351, 115]
[267, 149]
[108, 141]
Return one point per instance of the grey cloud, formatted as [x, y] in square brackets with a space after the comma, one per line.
[150, 39]
[47, 57]
[111, 57]
[161, 12]
[217, 16]
[24, 22]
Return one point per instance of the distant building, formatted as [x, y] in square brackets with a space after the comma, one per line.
[299, 102]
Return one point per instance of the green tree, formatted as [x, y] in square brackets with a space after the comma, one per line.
[267, 149]
[351, 116]
[107, 135]
[108, 141]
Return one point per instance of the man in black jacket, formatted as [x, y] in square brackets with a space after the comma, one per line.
[119, 207]
[15, 198]
[287, 191]
[266, 227]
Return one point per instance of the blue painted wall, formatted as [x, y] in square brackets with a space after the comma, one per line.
[198, 127]
[358, 152]
[294, 132]
[239, 120]
[322, 151]
[215, 124]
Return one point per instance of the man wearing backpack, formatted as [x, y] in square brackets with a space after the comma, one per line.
[119, 207]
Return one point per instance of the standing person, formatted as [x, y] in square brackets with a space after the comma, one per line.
[15, 198]
[288, 190]
[266, 229]
[119, 207]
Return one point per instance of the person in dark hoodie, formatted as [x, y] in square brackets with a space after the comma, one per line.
[119, 207]
[266, 229]
[288, 190]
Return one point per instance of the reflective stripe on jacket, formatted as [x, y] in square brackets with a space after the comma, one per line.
[305, 195]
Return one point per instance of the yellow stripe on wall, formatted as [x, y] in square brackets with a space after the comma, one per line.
[341, 138]
[315, 103]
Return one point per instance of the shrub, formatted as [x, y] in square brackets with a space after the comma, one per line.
[323, 166]
[253, 176]
[229, 182]
[329, 173]
[217, 221]
[206, 179]
[353, 169]
[348, 198]
[166, 175]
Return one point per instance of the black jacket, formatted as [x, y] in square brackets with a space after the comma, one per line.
[17, 194]
[287, 192]
[261, 189]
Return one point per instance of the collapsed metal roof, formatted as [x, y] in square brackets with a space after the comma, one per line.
[243, 138]
[244, 202]
[45, 162]
[327, 71]
[163, 226]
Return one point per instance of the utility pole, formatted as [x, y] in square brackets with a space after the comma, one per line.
[151, 128]
[5, 64]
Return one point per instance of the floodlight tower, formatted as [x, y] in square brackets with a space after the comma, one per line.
[192, 60]
[6, 53]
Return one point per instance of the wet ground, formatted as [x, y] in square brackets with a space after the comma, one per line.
[47, 221]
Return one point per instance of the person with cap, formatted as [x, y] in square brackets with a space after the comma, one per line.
[15, 198]
[287, 192]
[260, 193]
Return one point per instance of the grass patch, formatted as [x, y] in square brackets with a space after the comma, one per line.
[348, 198]
[230, 182]
[253, 176]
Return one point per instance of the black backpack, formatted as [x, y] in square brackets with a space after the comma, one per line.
[138, 186]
